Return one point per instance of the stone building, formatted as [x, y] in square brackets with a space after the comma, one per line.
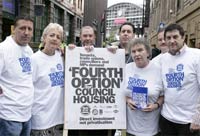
[93, 13]
[184, 12]
[68, 13]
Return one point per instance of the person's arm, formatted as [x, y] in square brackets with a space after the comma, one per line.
[195, 124]
[1, 68]
[1, 61]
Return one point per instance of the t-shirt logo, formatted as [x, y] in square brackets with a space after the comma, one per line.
[59, 66]
[136, 82]
[175, 77]
[25, 63]
[179, 67]
[57, 77]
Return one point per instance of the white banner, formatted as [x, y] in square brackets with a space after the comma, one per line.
[94, 98]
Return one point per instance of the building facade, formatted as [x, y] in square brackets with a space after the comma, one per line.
[67, 13]
[123, 12]
[93, 13]
[184, 12]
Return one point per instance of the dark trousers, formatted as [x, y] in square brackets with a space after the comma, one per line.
[127, 134]
[90, 132]
[169, 128]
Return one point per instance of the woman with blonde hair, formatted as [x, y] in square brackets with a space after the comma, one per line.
[48, 80]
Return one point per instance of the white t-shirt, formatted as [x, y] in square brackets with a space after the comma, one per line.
[16, 81]
[181, 79]
[141, 123]
[48, 81]
[156, 59]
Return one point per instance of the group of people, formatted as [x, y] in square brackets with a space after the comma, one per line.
[172, 80]
[32, 85]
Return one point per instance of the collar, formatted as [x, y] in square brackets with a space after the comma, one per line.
[181, 51]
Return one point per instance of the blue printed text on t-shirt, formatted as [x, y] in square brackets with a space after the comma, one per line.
[57, 78]
[174, 79]
[25, 63]
[136, 82]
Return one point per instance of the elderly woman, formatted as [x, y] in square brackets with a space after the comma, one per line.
[142, 95]
[48, 81]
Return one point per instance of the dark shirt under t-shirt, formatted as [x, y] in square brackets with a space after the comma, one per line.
[155, 52]
[128, 57]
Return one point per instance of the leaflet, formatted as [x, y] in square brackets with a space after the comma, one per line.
[140, 96]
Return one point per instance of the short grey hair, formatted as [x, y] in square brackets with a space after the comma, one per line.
[51, 26]
[136, 41]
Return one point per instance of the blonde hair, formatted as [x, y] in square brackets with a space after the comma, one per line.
[51, 26]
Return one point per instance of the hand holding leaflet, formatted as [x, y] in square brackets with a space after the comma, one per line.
[130, 103]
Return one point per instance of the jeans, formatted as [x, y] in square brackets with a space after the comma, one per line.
[14, 128]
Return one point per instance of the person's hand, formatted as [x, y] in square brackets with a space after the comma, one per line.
[71, 46]
[150, 107]
[194, 127]
[131, 103]
[89, 48]
[112, 49]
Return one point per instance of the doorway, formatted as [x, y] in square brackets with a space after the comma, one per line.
[6, 27]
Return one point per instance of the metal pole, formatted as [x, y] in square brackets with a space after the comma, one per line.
[143, 10]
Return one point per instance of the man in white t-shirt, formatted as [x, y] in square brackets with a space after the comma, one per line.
[181, 80]
[16, 87]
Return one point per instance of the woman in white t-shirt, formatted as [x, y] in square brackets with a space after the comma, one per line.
[48, 80]
[142, 95]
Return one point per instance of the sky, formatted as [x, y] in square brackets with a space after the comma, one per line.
[136, 2]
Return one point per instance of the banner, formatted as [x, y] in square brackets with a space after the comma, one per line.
[94, 98]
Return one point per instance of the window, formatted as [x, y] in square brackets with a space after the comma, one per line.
[80, 4]
[178, 5]
[58, 15]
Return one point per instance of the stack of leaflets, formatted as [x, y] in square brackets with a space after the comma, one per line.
[140, 97]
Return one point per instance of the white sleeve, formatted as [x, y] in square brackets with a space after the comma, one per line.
[159, 81]
[198, 70]
[34, 67]
[1, 61]
[196, 117]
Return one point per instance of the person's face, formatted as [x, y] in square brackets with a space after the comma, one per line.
[174, 41]
[140, 55]
[23, 32]
[161, 42]
[87, 36]
[126, 34]
[52, 40]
